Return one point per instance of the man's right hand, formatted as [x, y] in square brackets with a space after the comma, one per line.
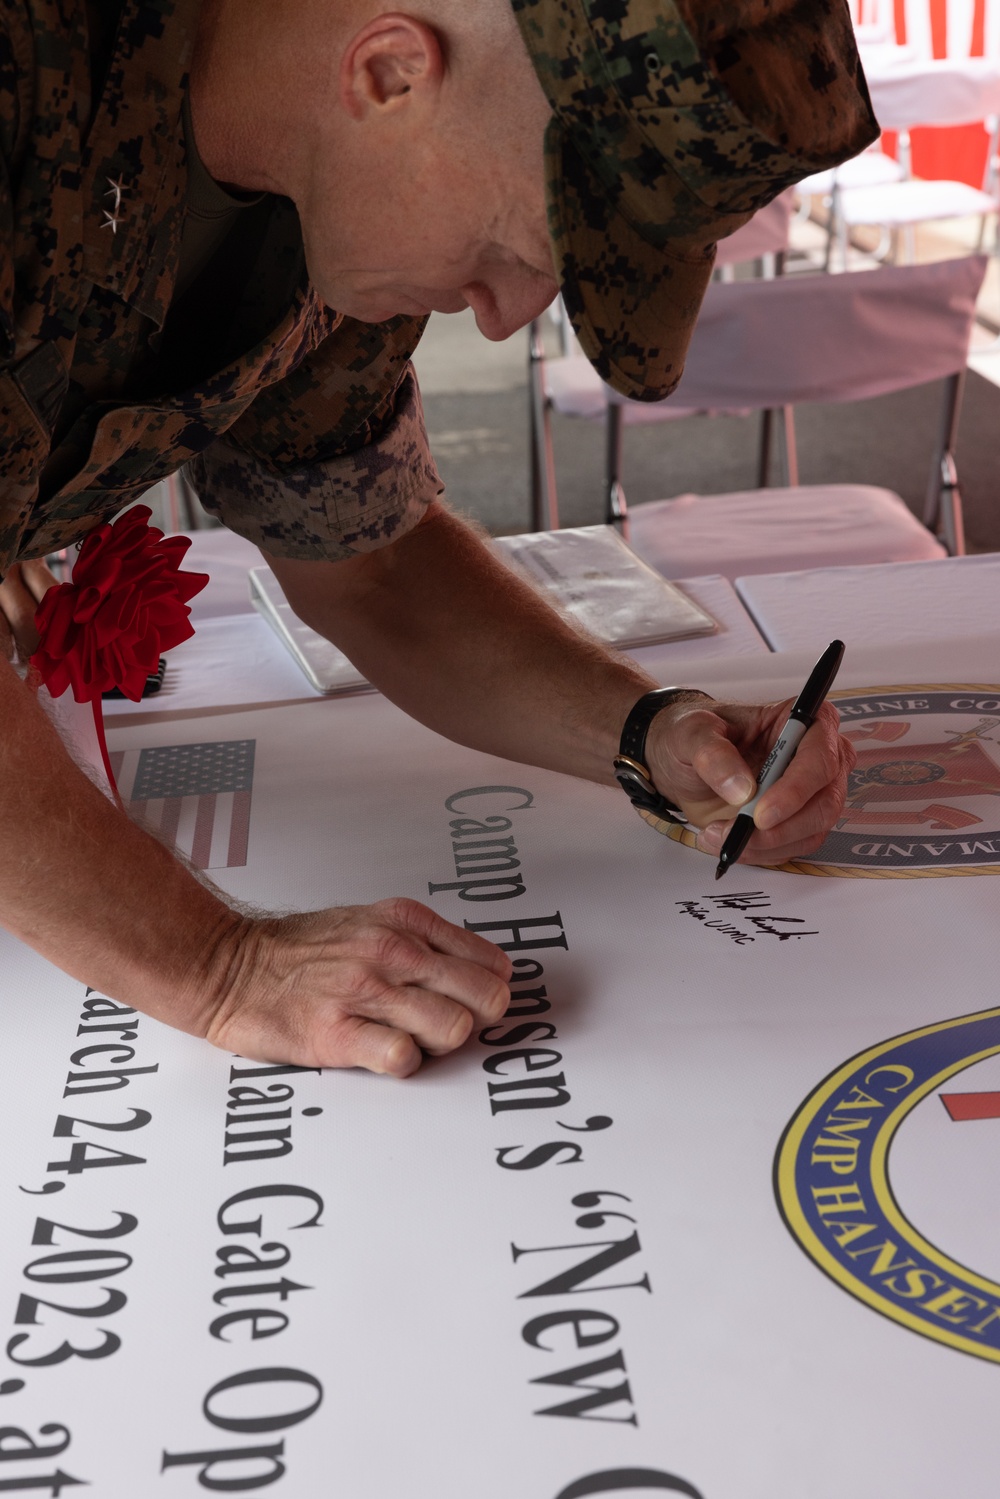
[356, 986]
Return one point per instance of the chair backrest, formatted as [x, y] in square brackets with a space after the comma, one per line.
[936, 92]
[991, 29]
[766, 344]
[874, 20]
[765, 234]
[960, 27]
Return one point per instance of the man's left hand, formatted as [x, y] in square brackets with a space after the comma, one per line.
[705, 756]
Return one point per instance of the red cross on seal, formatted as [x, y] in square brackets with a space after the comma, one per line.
[963, 1106]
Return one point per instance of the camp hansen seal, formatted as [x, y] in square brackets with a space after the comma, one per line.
[834, 1191]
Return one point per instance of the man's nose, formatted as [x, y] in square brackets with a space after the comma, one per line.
[501, 313]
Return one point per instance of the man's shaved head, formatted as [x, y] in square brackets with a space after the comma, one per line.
[481, 45]
[410, 140]
[472, 24]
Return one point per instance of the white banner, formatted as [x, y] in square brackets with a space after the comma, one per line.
[553, 1265]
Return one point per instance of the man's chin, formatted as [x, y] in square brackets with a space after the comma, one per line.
[382, 306]
[372, 314]
[360, 312]
[369, 310]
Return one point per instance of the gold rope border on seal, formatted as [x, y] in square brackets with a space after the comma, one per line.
[790, 1207]
[840, 871]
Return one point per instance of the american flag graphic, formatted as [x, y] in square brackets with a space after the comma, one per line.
[197, 796]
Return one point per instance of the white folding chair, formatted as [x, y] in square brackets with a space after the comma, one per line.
[959, 19]
[953, 91]
[770, 344]
[874, 22]
[873, 168]
[875, 34]
[570, 385]
[880, 42]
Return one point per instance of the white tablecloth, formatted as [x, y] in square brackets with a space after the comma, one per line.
[227, 558]
[737, 634]
[236, 660]
[233, 661]
[887, 604]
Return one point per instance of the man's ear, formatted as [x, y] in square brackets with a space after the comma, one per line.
[391, 58]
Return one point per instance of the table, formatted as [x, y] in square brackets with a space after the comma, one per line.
[553, 1262]
[235, 660]
[889, 603]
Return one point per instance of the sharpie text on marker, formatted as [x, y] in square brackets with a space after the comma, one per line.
[800, 719]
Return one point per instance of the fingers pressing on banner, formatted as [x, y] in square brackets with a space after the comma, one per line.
[359, 986]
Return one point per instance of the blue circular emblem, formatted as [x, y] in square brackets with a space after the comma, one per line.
[833, 1183]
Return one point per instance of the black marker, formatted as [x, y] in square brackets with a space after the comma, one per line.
[803, 714]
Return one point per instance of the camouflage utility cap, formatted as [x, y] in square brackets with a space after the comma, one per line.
[674, 122]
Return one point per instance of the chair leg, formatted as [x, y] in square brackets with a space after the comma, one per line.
[789, 448]
[991, 176]
[191, 516]
[904, 153]
[943, 506]
[534, 467]
[785, 416]
[764, 449]
[615, 509]
[951, 512]
[832, 228]
[842, 241]
[171, 492]
[618, 511]
[567, 338]
[544, 500]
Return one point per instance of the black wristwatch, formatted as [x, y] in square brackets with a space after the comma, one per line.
[631, 770]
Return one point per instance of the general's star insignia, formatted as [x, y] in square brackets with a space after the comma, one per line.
[114, 191]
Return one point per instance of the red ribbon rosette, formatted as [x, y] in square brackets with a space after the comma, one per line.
[126, 604]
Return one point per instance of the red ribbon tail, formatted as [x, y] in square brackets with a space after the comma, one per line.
[102, 741]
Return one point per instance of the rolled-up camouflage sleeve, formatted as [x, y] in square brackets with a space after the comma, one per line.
[333, 461]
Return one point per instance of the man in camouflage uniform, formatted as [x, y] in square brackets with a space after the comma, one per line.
[221, 232]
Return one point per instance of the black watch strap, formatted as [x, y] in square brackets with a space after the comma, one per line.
[631, 769]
